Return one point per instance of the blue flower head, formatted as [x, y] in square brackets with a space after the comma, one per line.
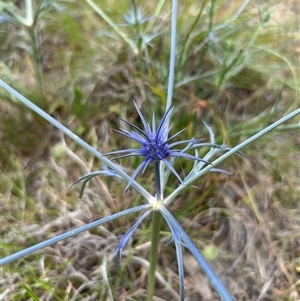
[154, 144]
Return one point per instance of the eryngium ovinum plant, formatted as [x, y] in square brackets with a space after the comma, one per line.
[158, 152]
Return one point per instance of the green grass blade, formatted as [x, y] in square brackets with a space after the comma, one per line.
[30, 292]
[113, 25]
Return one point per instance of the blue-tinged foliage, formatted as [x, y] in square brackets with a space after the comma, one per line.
[128, 234]
[154, 144]
[181, 235]
[71, 233]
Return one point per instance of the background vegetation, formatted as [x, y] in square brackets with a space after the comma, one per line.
[237, 69]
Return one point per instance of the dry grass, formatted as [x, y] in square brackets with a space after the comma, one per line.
[247, 225]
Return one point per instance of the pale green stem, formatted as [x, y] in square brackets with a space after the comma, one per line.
[156, 224]
[155, 15]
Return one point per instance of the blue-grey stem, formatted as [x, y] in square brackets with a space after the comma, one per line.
[156, 225]
[78, 140]
[159, 195]
[68, 234]
[232, 151]
[172, 55]
[210, 274]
